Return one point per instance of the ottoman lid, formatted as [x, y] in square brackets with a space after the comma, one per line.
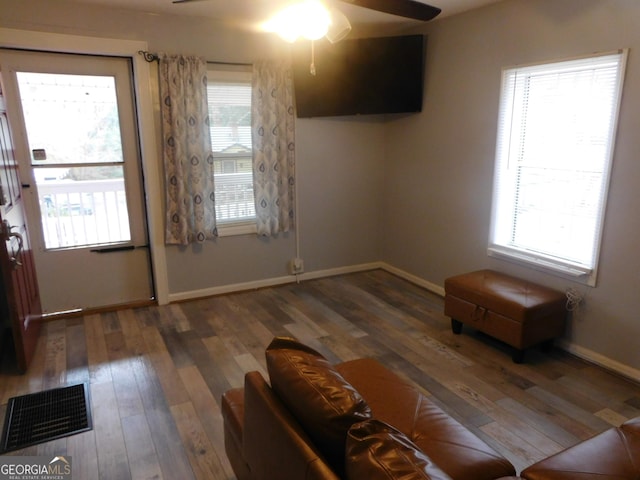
[509, 296]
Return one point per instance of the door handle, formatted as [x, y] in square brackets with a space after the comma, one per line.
[15, 259]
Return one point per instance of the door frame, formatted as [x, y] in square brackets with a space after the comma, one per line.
[152, 179]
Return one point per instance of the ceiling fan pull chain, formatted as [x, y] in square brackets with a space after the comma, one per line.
[312, 67]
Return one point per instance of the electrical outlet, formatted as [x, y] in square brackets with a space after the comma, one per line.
[296, 266]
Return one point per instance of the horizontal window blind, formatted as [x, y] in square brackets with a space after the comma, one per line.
[229, 116]
[556, 132]
[229, 101]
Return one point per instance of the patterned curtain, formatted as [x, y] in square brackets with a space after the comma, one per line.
[273, 134]
[187, 155]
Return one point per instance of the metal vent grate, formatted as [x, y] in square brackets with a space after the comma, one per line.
[40, 417]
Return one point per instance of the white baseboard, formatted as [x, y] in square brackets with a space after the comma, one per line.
[432, 287]
[581, 352]
[598, 359]
[230, 288]
[363, 267]
[270, 282]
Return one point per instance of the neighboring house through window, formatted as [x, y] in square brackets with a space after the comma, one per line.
[556, 134]
[229, 97]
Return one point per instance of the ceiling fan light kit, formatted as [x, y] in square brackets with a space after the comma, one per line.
[308, 19]
[339, 27]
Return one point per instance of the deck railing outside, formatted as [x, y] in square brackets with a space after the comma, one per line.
[83, 213]
[234, 197]
[93, 212]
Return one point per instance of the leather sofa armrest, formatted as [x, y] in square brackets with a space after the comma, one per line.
[233, 417]
[274, 443]
[233, 412]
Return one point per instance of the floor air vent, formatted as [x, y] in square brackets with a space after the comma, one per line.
[44, 416]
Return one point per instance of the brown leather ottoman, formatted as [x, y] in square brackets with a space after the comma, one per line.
[613, 454]
[515, 311]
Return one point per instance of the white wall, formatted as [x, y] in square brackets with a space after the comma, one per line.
[440, 194]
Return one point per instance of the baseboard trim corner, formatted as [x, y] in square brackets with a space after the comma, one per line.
[601, 360]
[421, 282]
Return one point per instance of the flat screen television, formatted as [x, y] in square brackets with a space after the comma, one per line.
[359, 77]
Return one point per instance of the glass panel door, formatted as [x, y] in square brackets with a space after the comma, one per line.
[79, 175]
[76, 141]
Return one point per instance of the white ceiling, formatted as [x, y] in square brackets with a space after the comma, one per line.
[253, 12]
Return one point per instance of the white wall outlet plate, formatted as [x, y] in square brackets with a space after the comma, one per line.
[296, 266]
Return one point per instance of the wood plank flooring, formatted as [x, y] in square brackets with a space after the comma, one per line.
[156, 374]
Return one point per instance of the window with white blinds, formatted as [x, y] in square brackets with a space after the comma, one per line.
[556, 133]
[229, 97]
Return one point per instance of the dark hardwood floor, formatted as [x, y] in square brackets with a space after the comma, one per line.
[156, 374]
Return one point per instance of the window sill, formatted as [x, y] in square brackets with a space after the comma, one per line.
[233, 229]
[578, 274]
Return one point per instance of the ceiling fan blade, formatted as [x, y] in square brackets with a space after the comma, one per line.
[403, 8]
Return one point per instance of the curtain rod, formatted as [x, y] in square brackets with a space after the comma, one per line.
[153, 57]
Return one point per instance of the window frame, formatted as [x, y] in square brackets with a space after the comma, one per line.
[241, 74]
[503, 248]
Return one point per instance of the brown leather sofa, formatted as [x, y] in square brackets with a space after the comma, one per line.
[302, 426]
[359, 420]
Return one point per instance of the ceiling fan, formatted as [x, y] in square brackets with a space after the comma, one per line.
[403, 8]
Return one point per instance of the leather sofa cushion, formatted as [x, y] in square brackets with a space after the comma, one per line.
[613, 454]
[632, 426]
[322, 401]
[396, 402]
[377, 451]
